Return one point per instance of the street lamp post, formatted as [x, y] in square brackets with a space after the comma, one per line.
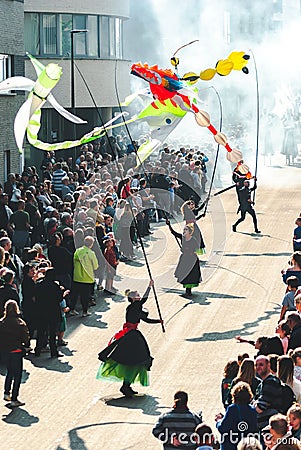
[72, 32]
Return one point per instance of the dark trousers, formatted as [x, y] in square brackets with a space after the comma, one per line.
[243, 213]
[46, 331]
[14, 366]
[82, 290]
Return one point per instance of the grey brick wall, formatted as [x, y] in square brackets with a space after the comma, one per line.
[12, 27]
[11, 43]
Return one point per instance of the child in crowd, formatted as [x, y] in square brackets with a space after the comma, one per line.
[296, 355]
[39, 249]
[63, 323]
[288, 302]
[283, 331]
[297, 236]
[230, 372]
[112, 262]
[242, 357]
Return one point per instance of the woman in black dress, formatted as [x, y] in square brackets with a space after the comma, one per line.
[191, 214]
[188, 270]
[127, 356]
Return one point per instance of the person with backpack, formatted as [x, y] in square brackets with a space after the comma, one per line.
[272, 395]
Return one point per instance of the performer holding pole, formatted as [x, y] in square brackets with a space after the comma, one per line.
[190, 213]
[188, 270]
[127, 357]
[245, 204]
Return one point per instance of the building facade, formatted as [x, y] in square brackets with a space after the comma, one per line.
[11, 64]
[100, 72]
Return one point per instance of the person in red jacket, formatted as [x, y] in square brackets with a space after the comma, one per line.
[111, 264]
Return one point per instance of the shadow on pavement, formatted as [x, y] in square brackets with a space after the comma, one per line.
[77, 443]
[218, 267]
[255, 254]
[25, 374]
[19, 416]
[200, 298]
[147, 403]
[230, 334]
[45, 362]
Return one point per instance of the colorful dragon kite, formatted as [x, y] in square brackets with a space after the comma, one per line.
[28, 118]
[174, 95]
[171, 98]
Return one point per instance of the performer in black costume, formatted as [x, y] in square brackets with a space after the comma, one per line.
[190, 213]
[127, 356]
[240, 174]
[188, 270]
[245, 204]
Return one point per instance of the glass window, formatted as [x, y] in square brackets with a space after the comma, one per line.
[5, 67]
[112, 37]
[49, 34]
[104, 37]
[92, 36]
[79, 23]
[32, 33]
[118, 38]
[7, 165]
[65, 26]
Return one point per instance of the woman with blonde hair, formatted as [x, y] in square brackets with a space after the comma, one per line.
[247, 374]
[14, 338]
[188, 271]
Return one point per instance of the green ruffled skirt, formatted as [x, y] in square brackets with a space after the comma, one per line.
[111, 370]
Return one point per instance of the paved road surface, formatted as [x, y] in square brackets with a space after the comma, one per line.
[67, 408]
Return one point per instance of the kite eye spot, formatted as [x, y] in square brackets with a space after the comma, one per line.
[168, 121]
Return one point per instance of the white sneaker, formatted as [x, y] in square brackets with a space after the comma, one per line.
[86, 314]
[7, 397]
[73, 312]
[16, 403]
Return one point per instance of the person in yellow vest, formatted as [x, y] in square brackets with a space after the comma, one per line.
[85, 263]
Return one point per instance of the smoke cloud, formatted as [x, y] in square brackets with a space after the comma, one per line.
[270, 31]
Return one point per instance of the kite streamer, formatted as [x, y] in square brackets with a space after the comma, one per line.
[28, 118]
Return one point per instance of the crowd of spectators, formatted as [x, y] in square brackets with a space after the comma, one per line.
[272, 379]
[65, 230]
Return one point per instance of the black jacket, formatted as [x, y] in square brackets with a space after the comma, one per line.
[7, 292]
[295, 339]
